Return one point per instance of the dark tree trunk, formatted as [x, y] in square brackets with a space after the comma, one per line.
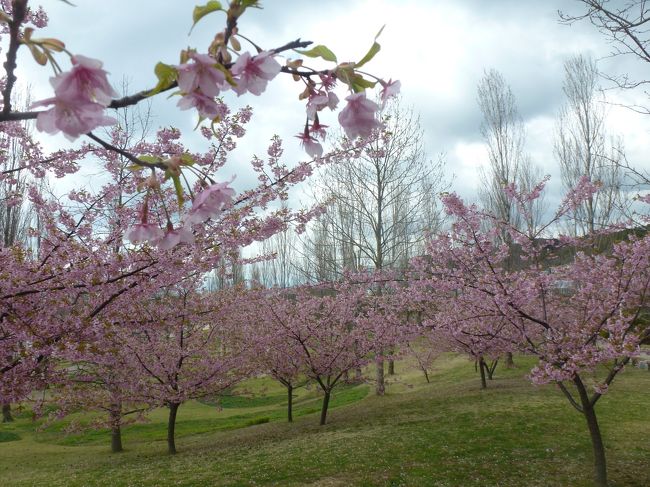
[171, 426]
[116, 439]
[391, 367]
[380, 387]
[290, 404]
[323, 411]
[491, 368]
[426, 375]
[6, 413]
[600, 462]
[481, 367]
[510, 364]
[116, 430]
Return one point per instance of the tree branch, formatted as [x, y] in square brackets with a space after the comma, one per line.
[19, 12]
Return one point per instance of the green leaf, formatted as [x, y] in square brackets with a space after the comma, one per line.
[166, 75]
[186, 159]
[179, 190]
[240, 6]
[359, 83]
[150, 159]
[201, 11]
[374, 49]
[354, 80]
[319, 51]
[38, 54]
[134, 168]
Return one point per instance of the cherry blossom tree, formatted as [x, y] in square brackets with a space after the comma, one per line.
[95, 379]
[575, 330]
[277, 353]
[183, 345]
[425, 351]
[336, 328]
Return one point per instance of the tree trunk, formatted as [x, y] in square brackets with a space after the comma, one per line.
[426, 375]
[323, 412]
[290, 404]
[171, 426]
[380, 387]
[6, 413]
[600, 462]
[510, 363]
[491, 368]
[116, 439]
[116, 431]
[481, 367]
[391, 367]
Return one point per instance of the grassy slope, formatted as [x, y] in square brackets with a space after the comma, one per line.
[447, 433]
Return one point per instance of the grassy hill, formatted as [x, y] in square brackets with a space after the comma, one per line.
[447, 433]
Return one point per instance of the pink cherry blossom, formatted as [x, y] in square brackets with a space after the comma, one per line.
[311, 145]
[205, 105]
[86, 80]
[318, 130]
[14, 198]
[210, 202]
[358, 117]
[254, 73]
[318, 101]
[72, 117]
[174, 237]
[143, 232]
[201, 74]
[389, 90]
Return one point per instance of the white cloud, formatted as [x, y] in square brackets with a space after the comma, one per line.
[438, 50]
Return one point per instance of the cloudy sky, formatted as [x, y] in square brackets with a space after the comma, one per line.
[438, 49]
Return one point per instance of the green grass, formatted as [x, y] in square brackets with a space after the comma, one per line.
[447, 433]
[8, 436]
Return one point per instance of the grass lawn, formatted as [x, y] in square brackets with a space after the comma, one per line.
[447, 433]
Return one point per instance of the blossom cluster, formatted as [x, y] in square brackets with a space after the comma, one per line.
[82, 94]
[202, 79]
[80, 97]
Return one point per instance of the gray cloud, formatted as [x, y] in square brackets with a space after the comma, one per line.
[438, 49]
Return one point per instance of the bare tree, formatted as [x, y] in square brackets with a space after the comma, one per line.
[625, 25]
[504, 134]
[280, 269]
[503, 131]
[15, 213]
[582, 148]
[380, 205]
[228, 273]
[320, 254]
[530, 176]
